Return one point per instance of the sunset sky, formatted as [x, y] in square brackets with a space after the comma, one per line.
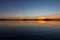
[29, 7]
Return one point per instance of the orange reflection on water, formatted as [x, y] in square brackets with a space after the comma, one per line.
[42, 22]
[18, 23]
[49, 22]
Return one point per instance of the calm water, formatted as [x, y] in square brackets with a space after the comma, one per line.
[30, 29]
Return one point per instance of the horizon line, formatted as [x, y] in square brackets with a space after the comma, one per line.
[29, 19]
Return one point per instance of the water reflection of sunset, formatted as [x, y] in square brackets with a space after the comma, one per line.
[29, 22]
[49, 22]
[42, 22]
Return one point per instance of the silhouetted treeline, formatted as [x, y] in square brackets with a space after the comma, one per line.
[29, 19]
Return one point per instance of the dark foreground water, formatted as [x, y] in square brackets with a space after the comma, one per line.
[44, 30]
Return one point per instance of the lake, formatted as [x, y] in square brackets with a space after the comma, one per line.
[30, 29]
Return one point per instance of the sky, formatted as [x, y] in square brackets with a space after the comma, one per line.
[29, 7]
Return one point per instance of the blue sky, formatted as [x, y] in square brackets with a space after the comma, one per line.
[29, 7]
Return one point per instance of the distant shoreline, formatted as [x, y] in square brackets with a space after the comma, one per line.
[29, 19]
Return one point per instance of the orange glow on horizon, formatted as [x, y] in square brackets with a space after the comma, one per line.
[30, 17]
